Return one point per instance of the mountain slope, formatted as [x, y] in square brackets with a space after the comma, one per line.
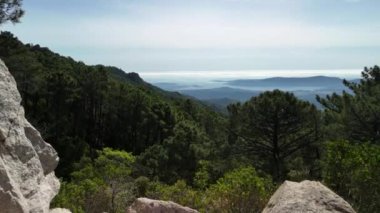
[81, 108]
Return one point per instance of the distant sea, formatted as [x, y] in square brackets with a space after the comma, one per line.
[213, 79]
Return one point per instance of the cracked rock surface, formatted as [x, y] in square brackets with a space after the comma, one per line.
[27, 162]
[306, 196]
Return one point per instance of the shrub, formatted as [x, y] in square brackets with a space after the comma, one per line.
[241, 190]
[352, 170]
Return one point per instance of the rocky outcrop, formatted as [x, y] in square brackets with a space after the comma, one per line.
[145, 205]
[306, 196]
[59, 210]
[27, 162]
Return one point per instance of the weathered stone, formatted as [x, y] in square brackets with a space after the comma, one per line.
[59, 210]
[306, 196]
[27, 162]
[145, 205]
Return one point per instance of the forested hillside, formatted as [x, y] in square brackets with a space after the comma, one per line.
[119, 138]
[83, 108]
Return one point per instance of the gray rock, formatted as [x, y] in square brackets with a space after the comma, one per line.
[306, 196]
[59, 210]
[27, 162]
[145, 205]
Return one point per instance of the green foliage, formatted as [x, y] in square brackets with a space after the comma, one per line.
[153, 161]
[241, 190]
[10, 10]
[272, 128]
[179, 192]
[355, 115]
[142, 184]
[178, 156]
[352, 170]
[89, 195]
[81, 108]
[202, 176]
[104, 185]
[119, 137]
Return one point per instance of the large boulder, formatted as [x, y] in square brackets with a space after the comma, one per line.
[306, 196]
[145, 205]
[27, 162]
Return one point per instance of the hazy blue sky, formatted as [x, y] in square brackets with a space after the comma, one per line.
[171, 35]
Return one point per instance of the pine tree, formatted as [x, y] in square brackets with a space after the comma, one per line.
[274, 126]
[10, 10]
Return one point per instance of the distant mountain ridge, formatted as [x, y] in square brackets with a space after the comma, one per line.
[305, 88]
[291, 82]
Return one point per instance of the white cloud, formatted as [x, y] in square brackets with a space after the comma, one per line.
[158, 27]
[219, 32]
[195, 29]
[205, 34]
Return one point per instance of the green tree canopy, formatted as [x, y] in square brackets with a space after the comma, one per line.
[178, 156]
[352, 170]
[101, 185]
[274, 126]
[355, 116]
[241, 190]
[78, 107]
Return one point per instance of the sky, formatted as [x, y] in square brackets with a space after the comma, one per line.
[207, 35]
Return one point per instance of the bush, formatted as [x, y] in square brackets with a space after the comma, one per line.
[103, 185]
[241, 190]
[179, 192]
[353, 171]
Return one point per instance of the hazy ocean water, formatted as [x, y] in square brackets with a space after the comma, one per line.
[213, 79]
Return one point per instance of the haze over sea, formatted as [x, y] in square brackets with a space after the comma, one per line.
[217, 78]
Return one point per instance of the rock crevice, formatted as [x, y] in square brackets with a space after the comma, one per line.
[27, 162]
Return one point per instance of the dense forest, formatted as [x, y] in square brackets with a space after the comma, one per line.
[118, 138]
